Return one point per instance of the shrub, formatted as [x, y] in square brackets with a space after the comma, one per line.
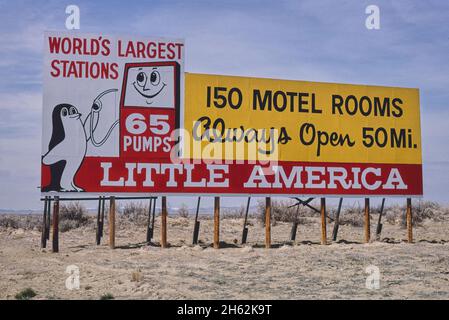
[26, 294]
[26, 222]
[183, 211]
[72, 216]
[9, 222]
[136, 212]
[31, 222]
[422, 210]
[67, 225]
[234, 213]
[107, 296]
[352, 215]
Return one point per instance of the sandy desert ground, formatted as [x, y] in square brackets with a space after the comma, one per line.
[301, 270]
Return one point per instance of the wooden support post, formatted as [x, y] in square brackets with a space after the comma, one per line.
[112, 222]
[217, 222]
[367, 222]
[323, 222]
[44, 225]
[55, 242]
[164, 223]
[268, 222]
[409, 221]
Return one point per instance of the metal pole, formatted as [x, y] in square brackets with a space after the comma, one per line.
[295, 225]
[97, 235]
[103, 204]
[245, 222]
[44, 225]
[337, 221]
[153, 215]
[112, 222]
[149, 229]
[56, 225]
[48, 224]
[217, 222]
[367, 221]
[409, 221]
[196, 227]
[379, 221]
[164, 223]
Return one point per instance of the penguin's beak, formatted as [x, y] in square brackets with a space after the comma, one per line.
[76, 116]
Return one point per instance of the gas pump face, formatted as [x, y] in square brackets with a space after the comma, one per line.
[149, 109]
[150, 86]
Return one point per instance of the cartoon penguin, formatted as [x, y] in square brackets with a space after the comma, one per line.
[68, 143]
[66, 149]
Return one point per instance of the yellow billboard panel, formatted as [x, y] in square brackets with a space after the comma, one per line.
[302, 121]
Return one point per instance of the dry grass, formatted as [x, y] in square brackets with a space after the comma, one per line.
[285, 211]
[136, 276]
[353, 215]
[73, 215]
[422, 210]
[26, 222]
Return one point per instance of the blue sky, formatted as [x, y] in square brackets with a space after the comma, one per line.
[312, 40]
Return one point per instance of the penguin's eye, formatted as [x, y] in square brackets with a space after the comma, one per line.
[72, 111]
[155, 78]
[64, 112]
[141, 79]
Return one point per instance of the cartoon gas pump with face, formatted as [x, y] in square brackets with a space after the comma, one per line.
[148, 84]
[67, 148]
[149, 110]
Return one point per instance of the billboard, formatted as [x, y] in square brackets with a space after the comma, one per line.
[121, 116]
